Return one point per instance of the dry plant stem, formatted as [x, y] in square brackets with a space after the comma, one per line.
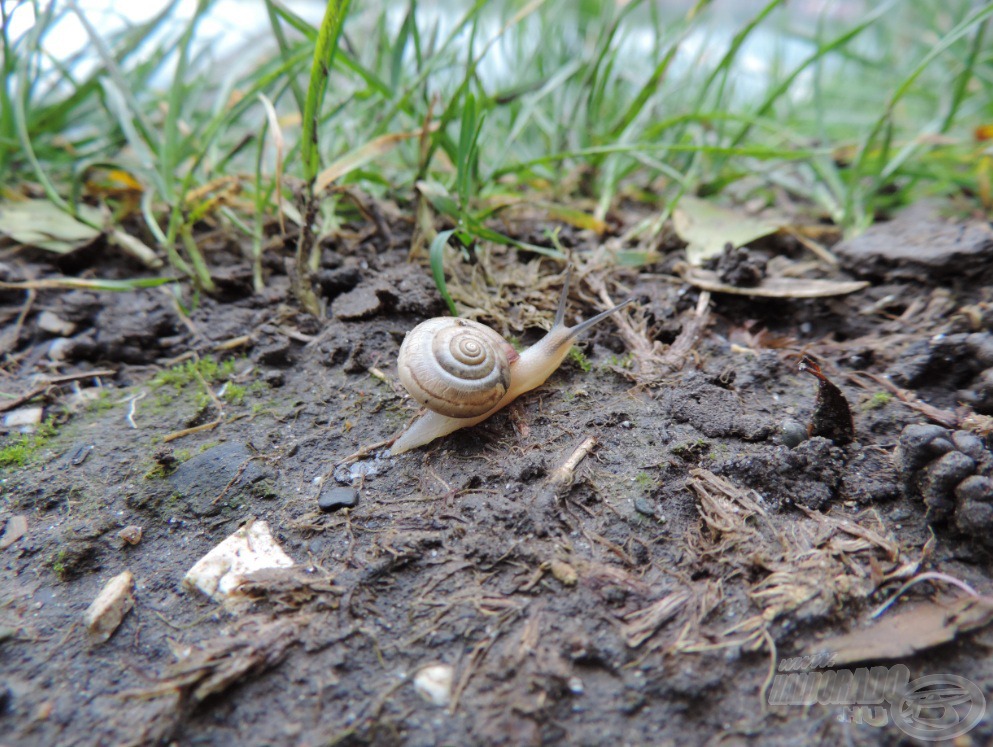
[11, 336]
[562, 477]
[945, 418]
[56, 381]
[303, 287]
[929, 576]
[190, 431]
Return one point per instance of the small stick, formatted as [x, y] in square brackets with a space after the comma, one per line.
[57, 381]
[563, 475]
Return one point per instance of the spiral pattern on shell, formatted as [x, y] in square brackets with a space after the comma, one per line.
[455, 367]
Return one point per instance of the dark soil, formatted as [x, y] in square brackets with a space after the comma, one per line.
[639, 600]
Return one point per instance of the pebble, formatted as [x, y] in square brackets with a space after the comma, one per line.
[919, 244]
[220, 572]
[792, 433]
[54, 324]
[434, 683]
[644, 506]
[107, 611]
[349, 473]
[332, 499]
[228, 470]
[131, 534]
[26, 416]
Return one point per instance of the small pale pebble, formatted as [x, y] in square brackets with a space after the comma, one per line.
[130, 534]
[434, 683]
[220, 572]
[54, 324]
[107, 611]
[24, 416]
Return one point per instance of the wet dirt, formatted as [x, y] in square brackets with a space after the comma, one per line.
[642, 596]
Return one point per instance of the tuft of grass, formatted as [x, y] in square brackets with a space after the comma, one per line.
[561, 107]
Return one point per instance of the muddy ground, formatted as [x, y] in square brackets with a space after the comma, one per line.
[642, 598]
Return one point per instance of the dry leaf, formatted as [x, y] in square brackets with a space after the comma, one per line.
[772, 287]
[44, 225]
[707, 227]
[915, 629]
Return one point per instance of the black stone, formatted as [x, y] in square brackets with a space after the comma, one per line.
[335, 498]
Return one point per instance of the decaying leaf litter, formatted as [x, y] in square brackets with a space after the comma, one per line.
[623, 552]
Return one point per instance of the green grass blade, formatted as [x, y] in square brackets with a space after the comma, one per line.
[436, 256]
[324, 52]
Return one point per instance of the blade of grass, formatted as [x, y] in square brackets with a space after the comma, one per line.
[436, 255]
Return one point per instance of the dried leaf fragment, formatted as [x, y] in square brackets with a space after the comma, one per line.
[915, 629]
[832, 416]
[771, 286]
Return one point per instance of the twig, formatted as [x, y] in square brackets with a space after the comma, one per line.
[563, 475]
[190, 431]
[57, 381]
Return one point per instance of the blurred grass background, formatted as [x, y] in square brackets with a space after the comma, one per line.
[249, 112]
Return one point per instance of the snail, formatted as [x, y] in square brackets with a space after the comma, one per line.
[463, 371]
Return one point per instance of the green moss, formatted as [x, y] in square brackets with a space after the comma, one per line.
[26, 445]
[618, 361]
[579, 358]
[59, 564]
[186, 373]
[877, 401]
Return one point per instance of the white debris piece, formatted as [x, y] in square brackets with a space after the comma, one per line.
[219, 573]
[24, 416]
[107, 611]
[434, 683]
[54, 324]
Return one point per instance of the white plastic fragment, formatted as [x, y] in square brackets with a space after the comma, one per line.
[219, 573]
[434, 683]
[107, 611]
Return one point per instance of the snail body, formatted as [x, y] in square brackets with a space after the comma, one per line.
[464, 372]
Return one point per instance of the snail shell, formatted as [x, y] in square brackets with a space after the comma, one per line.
[455, 367]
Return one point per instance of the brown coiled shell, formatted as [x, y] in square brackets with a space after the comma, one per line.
[455, 367]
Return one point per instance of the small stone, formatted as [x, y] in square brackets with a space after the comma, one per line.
[919, 244]
[644, 506]
[54, 324]
[969, 444]
[131, 535]
[333, 499]
[575, 686]
[434, 683]
[212, 480]
[107, 611]
[26, 416]
[17, 527]
[219, 573]
[792, 433]
[564, 573]
[277, 353]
